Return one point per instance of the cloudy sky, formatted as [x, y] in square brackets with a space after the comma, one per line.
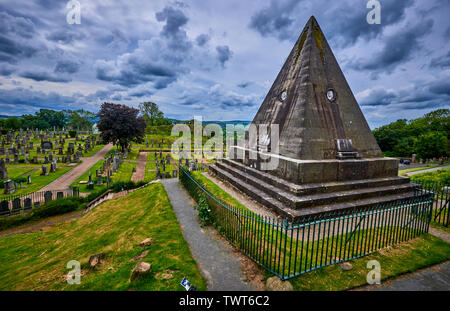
[217, 59]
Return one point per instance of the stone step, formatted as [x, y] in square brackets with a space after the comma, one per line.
[315, 188]
[302, 201]
[286, 211]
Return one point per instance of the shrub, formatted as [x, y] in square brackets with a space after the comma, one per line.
[95, 194]
[127, 185]
[204, 211]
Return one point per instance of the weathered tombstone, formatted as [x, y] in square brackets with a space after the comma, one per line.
[48, 196]
[90, 184]
[16, 206]
[4, 208]
[38, 150]
[174, 173]
[29, 179]
[44, 170]
[9, 187]
[16, 158]
[27, 204]
[3, 170]
[60, 195]
[35, 160]
[158, 173]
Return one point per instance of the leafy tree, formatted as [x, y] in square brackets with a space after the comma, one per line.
[430, 145]
[13, 123]
[120, 125]
[80, 120]
[151, 113]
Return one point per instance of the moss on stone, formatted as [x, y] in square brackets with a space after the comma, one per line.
[319, 40]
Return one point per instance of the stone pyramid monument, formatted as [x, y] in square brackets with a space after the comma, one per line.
[328, 159]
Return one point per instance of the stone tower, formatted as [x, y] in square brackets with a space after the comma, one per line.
[328, 158]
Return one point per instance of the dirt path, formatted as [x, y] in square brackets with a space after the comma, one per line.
[67, 179]
[140, 167]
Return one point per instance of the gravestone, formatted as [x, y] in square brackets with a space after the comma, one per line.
[44, 170]
[16, 206]
[9, 187]
[324, 144]
[3, 170]
[60, 195]
[29, 179]
[4, 208]
[174, 173]
[27, 204]
[48, 196]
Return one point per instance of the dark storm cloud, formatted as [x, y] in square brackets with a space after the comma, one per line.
[224, 53]
[202, 39]
[344, 21]
[421, 95]
[275, 20]
[441, 62]
[42, 76]
[350, 24]
[26, 97]
[67, 66]
[174, 18]
[64, 36]
[397, 49]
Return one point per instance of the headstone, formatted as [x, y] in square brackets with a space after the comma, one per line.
[48, 196]
[29, 179]
[4, 208]
[44, 170]
[3, 170]
[27, 204]
[60, 195]
[9, 187]
[174, 173]
[16, 206]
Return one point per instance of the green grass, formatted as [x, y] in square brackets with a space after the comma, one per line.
[93, 151]
[217, 191]
[85, 177]
[424, 250]
[38, 181]
[439, 176]
[416, 169]
[17, 172]
[403, 258]
[37, 261]
[124, 172]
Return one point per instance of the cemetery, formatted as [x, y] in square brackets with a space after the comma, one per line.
[303, 197]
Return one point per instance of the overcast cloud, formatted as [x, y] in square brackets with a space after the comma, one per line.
[217, 59]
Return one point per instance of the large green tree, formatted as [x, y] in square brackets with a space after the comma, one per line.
[151, 113]
[431, 145]
[120, 125]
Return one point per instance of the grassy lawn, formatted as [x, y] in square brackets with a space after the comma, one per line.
[416, 169]
[93, 151]
[124, 172]
[85, 176]
[17, 172]
[37, 261]
[38, 181]
[403, 258]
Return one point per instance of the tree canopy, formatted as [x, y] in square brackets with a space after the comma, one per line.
[427, 136]
[153, 116]
[120, 125]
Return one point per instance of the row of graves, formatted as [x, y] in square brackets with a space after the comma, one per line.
[162, 160]
[192, 165]
[161, 144]
[111, 164]
[52, 144]
[23, 204]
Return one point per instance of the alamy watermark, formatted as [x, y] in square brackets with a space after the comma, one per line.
[74, 275]
[73, 16]
[374, 15]
[374, 275]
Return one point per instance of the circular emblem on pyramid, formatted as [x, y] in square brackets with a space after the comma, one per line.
[283, 95]
[331, 95]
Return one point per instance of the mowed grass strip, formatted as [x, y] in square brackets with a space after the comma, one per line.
[394, 261]
[37, 261]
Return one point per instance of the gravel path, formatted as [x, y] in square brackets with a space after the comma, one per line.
[140, 168]
[222, 269]
[67, 179]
